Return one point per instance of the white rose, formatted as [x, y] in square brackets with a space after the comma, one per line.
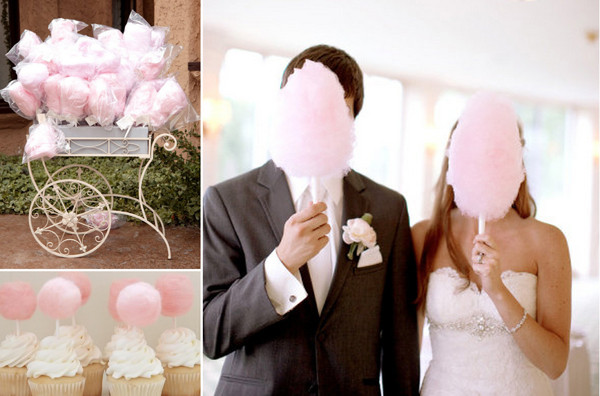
[359, 231]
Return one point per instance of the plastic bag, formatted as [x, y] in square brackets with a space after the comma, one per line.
[28, 41]
[45, 140]
[102, 103]
[100, 220]
[64, 31]
[21, 101]
[32, 76]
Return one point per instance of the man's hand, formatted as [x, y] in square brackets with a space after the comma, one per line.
[304, 235]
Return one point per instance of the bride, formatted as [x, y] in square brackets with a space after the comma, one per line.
[498, 304]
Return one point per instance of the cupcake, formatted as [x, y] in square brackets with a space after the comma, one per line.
[89, 356]
[17, 302]
[133, 369]
[55, 370]
[16, 351]
[179, 351]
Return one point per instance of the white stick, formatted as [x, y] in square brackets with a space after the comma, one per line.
[73, 321]
[315, 189]
[18, 329]
[174, 322]
[57, 326]
[481, 224]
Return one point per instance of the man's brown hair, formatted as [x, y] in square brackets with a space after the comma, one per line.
[339, 62]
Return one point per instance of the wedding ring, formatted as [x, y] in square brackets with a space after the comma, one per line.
[479, 258]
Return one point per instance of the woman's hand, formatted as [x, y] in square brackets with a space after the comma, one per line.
[485, 260]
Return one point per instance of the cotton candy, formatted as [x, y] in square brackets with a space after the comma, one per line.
[151, 64]
[59, 298]
[103, 60]
[29, 40]
[52, 91]
[64, 31]
[73, 63]
[159, 36]
[485, 159]
[21, 100]
[43, 142]
[17, 300]
[46, 54]
[102, 102]
[137, 37]
[118, 89]
[74, 93]
[313, 131]
[169, 101]
[139, 304]
[141, 100]
[32, 76]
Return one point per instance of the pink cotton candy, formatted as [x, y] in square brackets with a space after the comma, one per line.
[169, 101]
[32, 76]
[115, 290]
[141, 100]
[118, 89]
[83, 283]
[46, 54]
[177, 294]
[485, 159]
[52, 91]
[59, 298]
[159, 36]
[42, 142]
[127, 75]
[139, 304]
[102, 103]
[29, 40]
[22, 101]
[137, 37]
[17, 300]
[64, 31]
[151, 64]
[313, 131]
[74, 93]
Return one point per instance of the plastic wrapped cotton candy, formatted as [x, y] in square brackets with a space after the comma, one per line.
[313, 131]
[102, 102]
[169, 101]
[151, 64]
[22, 101]
[64, 31]
[140, 102]
[74, 93]
[32, 76]
[118, 89]
[29, 40]
[159, 36]
[46, 54]
[100, 59]
[44, 141]
[485, 159]
[137, 35]
[52, 91]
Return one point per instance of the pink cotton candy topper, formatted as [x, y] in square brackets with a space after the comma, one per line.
[313, 131]
[139, 304]
[485, 158]
[17, 300]
[115, 290]
[177, 294]
[59, 298]
[83, 283]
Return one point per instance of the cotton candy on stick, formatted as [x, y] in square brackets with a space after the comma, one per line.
[17, 301]
[485, 158]
[177, 295]
[83, 283]
[29, 40]
[313, 131]
[139, 304]
[115, 289]
[59, 298]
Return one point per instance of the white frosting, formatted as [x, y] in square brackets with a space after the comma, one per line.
[178, 347]
[18, 350]
[55, 358]
[131, 357]
[86, 351]
[119, 333]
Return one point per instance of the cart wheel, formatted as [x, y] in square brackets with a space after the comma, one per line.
[70, 218]
[87, 174]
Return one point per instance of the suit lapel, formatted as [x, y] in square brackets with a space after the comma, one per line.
[355, 205]
[276, 199]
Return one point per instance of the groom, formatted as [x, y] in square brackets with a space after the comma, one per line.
[292, 328]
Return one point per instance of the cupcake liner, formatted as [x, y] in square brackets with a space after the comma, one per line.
[182, 381]
[93, 374]
[13, 382]
[65, 386]
[136, 386]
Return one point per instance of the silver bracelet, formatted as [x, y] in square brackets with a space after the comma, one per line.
[518, 326]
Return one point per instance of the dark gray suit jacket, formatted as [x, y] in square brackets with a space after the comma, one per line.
[368, 324]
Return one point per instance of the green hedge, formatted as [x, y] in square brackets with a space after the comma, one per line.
[171, 185]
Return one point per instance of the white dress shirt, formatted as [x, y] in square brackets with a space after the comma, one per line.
[285, 289]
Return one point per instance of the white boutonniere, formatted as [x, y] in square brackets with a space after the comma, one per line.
[359, 234]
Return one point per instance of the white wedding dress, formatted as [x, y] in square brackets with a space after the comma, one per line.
[473, 354]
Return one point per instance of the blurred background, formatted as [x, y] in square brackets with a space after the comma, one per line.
[422, 61]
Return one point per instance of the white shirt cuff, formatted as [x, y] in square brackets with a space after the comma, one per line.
[284, 289]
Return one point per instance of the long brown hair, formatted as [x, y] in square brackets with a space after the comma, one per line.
[440, 226]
